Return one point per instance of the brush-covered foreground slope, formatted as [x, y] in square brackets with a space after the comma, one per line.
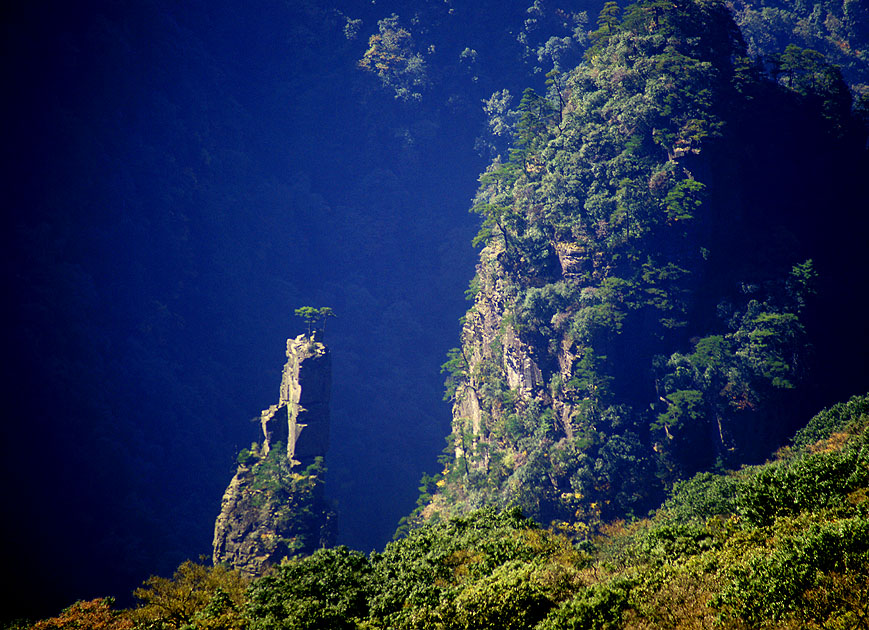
[779, 545]
[643, 304]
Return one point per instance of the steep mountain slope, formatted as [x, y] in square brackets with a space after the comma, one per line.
[643, 301]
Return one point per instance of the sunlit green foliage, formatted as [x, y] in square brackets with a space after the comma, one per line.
[816, 482]
[315, 318]
[771, 546]
[484, 570]
[326, 590]
[196, 597]
[840, 420]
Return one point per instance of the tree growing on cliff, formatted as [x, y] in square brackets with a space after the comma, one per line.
[314, 316]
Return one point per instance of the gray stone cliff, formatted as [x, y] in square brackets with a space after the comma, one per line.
[274, 506]
[300, 419]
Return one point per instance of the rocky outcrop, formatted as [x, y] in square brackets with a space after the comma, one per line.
[274, 506]
[489, 337]
[300, 419]
[510, 408]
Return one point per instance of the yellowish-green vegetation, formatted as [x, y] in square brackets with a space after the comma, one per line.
[781, 545]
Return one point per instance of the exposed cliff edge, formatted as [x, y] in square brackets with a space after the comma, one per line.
[274, 506]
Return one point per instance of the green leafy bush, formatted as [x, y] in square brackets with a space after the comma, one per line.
[849, 416]
[813, 482]
[326, 590]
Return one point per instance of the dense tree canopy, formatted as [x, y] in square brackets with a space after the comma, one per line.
[640, 306]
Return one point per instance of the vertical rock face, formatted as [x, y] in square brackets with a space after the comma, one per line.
[274, 505]
[300, 419]
[504, 376]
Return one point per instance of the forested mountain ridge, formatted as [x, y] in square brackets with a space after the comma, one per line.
[781, 545]
[647, 272]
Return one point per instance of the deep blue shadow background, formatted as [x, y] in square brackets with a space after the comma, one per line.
[177, 179]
